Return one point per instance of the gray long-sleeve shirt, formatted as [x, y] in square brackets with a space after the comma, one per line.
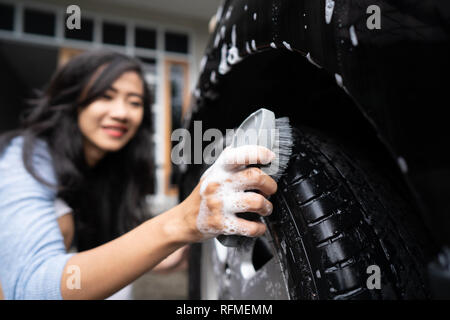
[32, 252]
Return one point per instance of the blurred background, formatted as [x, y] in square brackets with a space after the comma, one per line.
[169, 36]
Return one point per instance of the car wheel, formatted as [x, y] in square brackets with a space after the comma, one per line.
[339, 230]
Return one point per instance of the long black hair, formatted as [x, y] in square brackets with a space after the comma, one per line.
[108, 199]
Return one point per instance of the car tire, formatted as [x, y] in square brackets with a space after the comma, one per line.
[340, 229]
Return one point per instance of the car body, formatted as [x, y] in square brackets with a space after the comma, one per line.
[327, 65]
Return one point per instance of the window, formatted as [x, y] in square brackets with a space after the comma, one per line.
[114, 33]
[39, 22]
[86, 32]
[177, 101]
[145, 38]
[149, 68]
[176, 42]
[6, 17]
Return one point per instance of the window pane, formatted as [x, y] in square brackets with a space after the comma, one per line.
[114, 33]
[149, 68]
[6, 17]
[86, 32]
[177, 94]
[145, 38]
[176, 42]
[39, 22]
[176, 74]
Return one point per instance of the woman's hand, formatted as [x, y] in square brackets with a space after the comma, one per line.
[221, 193]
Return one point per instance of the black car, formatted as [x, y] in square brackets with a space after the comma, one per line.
[362, 212]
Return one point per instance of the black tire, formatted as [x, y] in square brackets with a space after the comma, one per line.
[334, 216]
[338, 215]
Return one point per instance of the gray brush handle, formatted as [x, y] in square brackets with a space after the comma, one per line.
[263, 122]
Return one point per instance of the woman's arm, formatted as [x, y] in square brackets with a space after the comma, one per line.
[177, 261]
[108, 268]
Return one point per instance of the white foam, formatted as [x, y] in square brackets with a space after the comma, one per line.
[219, 13]
[287, 45]
[308, 56]
[247, 47]
[203, 63]
[223, 66]
[339, 80]
[329, 7]
[230, 192]
[228, 15]
[353, 36]
[223, 29]
[213, 77]
[217, 40]
[233, 52]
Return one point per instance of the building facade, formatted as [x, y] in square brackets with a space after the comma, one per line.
[168, 36]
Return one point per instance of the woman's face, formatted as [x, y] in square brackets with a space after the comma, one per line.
[109, 122]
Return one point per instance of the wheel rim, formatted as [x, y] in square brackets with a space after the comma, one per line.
[251, 271]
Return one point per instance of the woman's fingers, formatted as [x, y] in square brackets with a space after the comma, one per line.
[255, 179]
[246, 155]
[250, 228]
[249, 202]
[221, 193]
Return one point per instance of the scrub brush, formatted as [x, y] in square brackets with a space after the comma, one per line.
[263, 129]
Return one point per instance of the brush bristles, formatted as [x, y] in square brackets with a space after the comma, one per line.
[282, 147]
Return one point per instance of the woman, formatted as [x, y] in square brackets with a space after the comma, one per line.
[87, 144]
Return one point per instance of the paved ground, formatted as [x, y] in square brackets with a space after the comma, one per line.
[152, 286]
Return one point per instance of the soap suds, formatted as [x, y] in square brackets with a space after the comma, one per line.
[217, 40]
[329, 7]
[203, 63]
[308, 56]
[402, 164]
[339, 80]
[219, 13]
[223, 66]
[233, 52]
[353, 36]
[213, 77]
[222, 31]
[247, 47]
[230, 192]
[287, 45]
[228, 15]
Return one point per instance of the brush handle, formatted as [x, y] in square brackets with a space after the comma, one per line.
[235, 240]
[262, 122]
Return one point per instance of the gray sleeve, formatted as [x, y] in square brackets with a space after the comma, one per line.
[32, 252]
